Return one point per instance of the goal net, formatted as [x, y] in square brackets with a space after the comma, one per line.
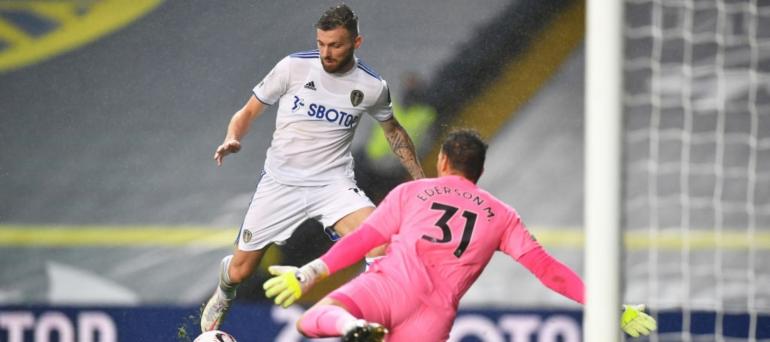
[696, 168]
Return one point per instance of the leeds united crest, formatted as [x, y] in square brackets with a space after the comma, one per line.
[246, 235]
[356, 96]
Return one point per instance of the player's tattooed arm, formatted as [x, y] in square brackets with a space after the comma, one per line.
[403, 147]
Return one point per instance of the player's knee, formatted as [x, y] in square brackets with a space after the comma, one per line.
[300, 325]
[352, 221]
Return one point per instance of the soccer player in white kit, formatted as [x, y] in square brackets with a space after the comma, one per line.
[308, 172]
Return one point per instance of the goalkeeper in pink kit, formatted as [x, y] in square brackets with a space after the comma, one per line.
[441, 233]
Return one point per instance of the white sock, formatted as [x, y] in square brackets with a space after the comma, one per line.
[226, 287]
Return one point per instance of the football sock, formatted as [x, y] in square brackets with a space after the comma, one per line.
[226, 287]
[326, 321]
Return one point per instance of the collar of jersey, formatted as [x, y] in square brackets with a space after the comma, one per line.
[461, 178]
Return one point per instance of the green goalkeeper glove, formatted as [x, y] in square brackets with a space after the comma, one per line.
[290, 283]
[635, 322]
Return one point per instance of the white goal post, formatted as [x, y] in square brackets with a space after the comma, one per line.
[603, 122]
[681, 90]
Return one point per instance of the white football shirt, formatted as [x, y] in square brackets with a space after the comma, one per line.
[318, 113]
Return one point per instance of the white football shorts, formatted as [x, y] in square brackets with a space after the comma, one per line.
[276, 210]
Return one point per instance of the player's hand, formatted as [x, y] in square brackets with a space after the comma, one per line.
[285, 286]
[290, 283]
[227, 147]
[635, 322]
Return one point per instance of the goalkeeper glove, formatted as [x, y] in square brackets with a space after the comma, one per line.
[290, 283]
[635, 322]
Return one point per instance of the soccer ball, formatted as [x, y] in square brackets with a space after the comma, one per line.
[215, 336]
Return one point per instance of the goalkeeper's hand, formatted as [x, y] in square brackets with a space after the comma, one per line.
[290, 283]
[285, 286]
[635, 322]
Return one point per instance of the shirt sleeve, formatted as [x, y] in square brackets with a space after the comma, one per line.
[386, 219]
[352, 248]
[382, 109]
[275, 84]
[554, 274]
[516, 239]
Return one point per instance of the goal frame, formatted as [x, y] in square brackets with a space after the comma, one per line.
[603, 123]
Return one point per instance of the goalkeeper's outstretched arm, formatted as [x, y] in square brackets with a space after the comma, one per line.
[554, 274]
[290, 283]
[560, 278]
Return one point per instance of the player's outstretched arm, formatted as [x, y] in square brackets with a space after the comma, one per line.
[563, 280]
[238, 127]
[554, 274]
[290, 283]
[402, 146]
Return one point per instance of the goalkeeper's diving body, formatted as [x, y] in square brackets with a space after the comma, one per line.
[441, 233]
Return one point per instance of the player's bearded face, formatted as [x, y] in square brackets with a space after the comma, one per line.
[336, 47]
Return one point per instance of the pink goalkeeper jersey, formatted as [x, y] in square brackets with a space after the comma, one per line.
[442, 233]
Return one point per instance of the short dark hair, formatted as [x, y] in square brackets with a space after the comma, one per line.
[466, 152]
[340, 15]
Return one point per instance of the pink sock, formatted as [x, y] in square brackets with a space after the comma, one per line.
[325, 321]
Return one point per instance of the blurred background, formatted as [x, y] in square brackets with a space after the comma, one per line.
[114, 216]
